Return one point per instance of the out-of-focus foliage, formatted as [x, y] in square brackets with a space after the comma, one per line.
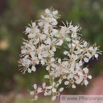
[18, 13]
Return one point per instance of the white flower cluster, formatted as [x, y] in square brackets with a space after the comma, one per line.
[40, 48]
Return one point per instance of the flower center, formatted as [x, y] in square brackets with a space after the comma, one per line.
[50, 15]
[81, 56]
[49, 63]
[62, 37]
[85, 76]
[85, 49]
[47, 35]
[71, 50]
[52, 44]
[71, 60]
[37, 50]
[33, 30]
[38, 35]
[33, 62]
[72, 81]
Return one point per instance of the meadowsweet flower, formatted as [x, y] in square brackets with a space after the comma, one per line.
[35, 92]
[57, 93]
[43, 40]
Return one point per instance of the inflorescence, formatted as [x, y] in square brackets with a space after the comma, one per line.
[43, 39]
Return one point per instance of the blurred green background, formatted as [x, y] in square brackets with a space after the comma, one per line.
[16, 14]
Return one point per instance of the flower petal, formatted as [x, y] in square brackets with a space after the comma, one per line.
[61, 89]
[53, 98]
[33, 68]
[66, 82]
[47, 11]
[29, 70]
[54, 90]
[35, 86]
